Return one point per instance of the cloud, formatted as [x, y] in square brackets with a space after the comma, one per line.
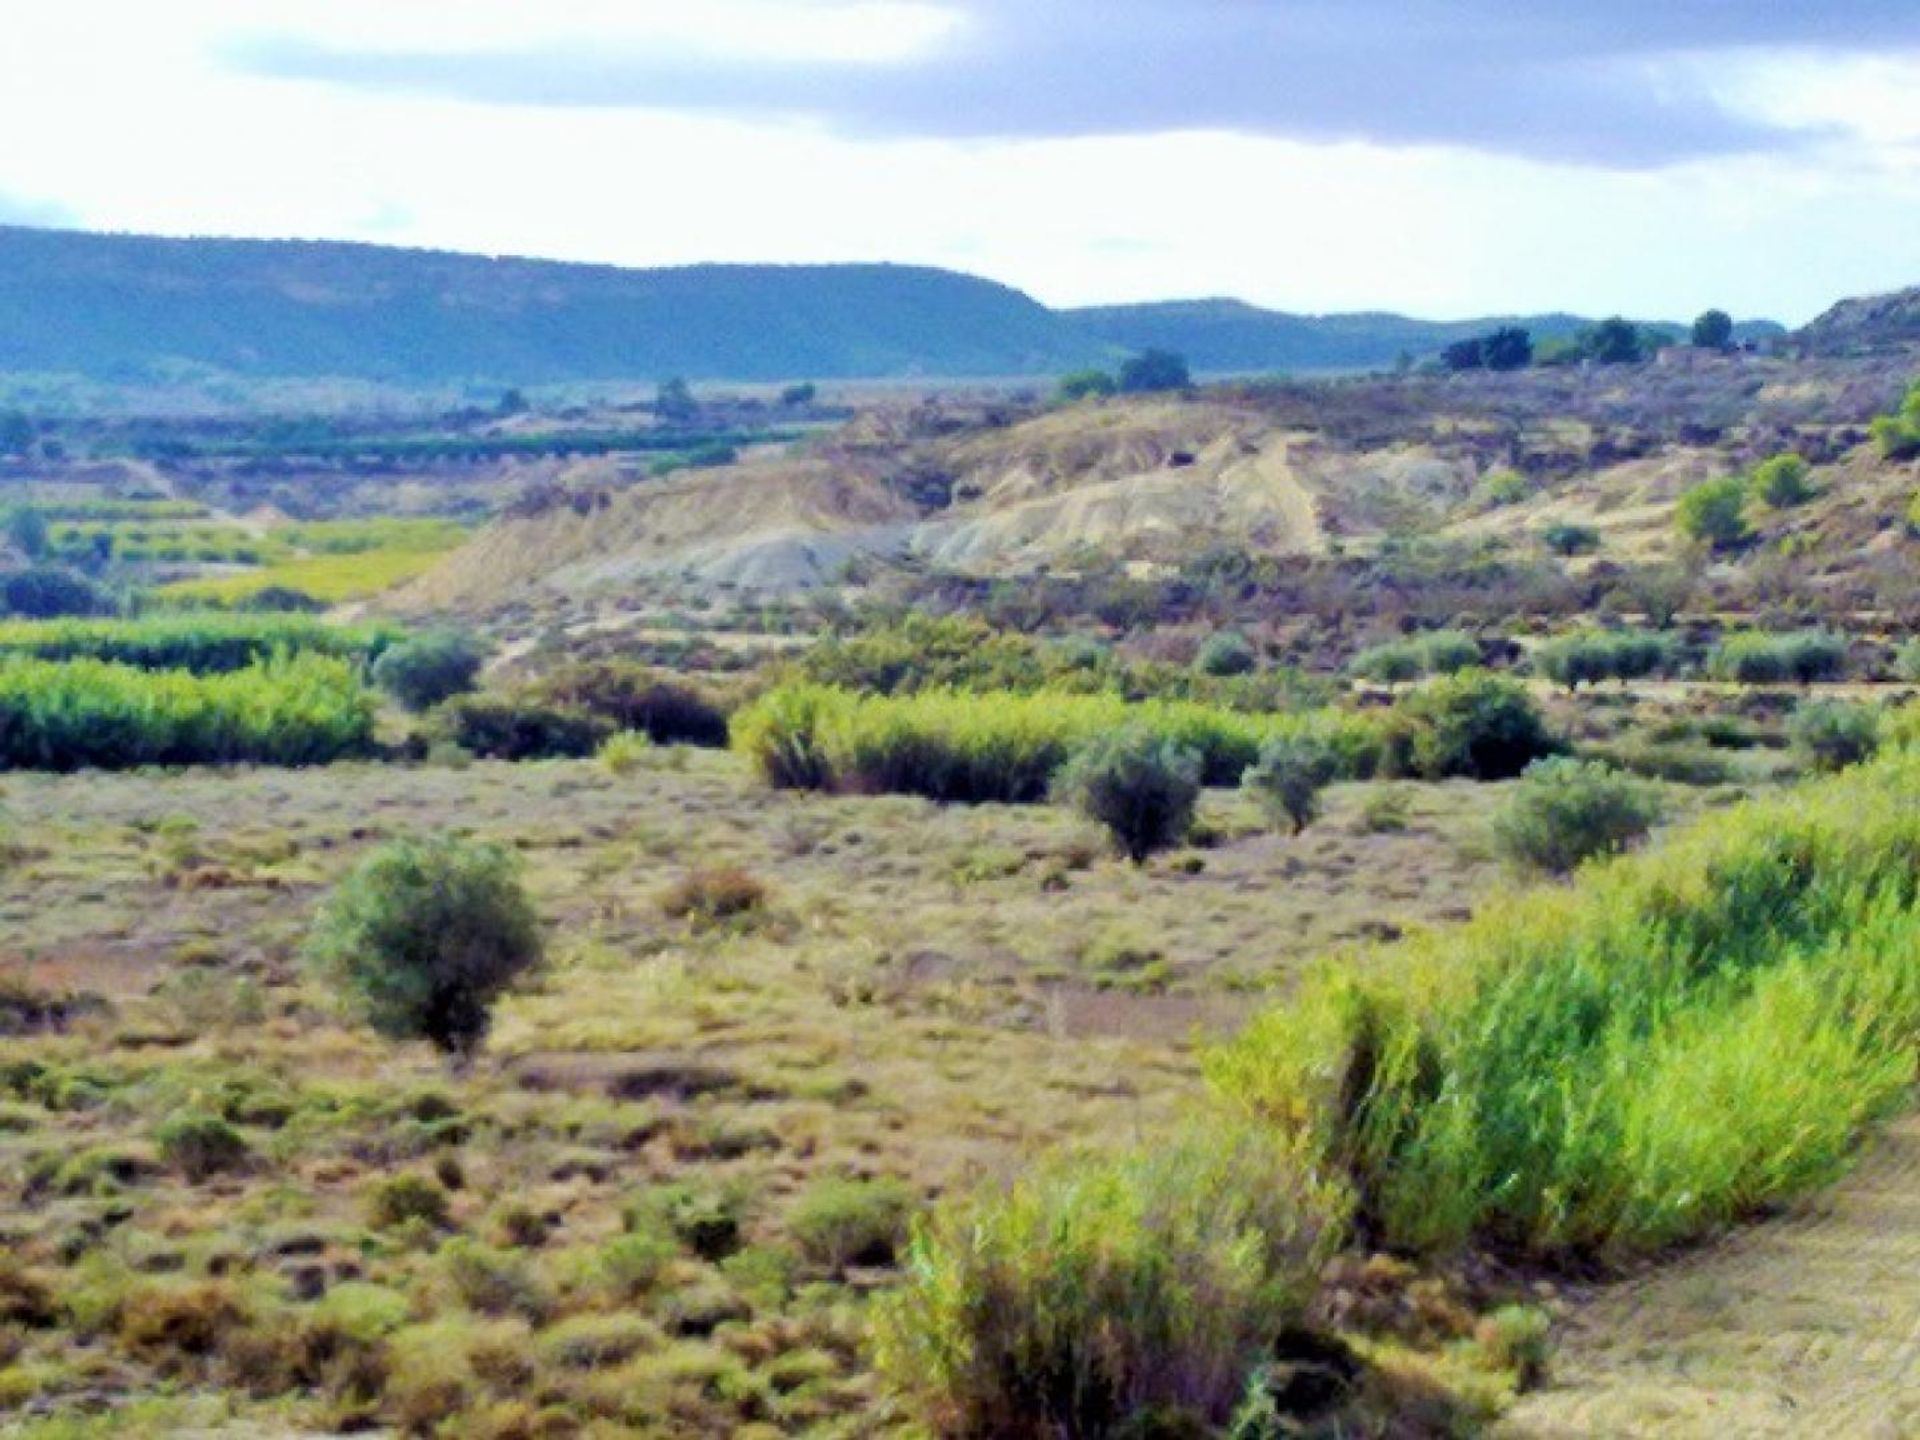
[1563, 80]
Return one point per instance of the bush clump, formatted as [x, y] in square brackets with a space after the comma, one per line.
[1442, 652]
[494, 727]
[1226, 653]
[714, 895]
[1834, 734]
[633, 697]
[1783, 481]
[1590, 656]
[838, 1221]
[1099, 1290]
[423, 936]
[1714, 514]
[200, 1145]
[1477, 725]
[1758, 658]
[1142, 787]
[406, 1199]
[429, 669]
[1286, 781]
[1567, 811]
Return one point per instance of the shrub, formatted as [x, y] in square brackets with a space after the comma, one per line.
[1782, 482]
[1758, 658]
[1287, 780]
[1570, 540]
[1898, 435]
[1394, 663]
[632, 697]
[424, 936]
[405, 1199]
[839, 1222]
[1476, 725]
[1713, 513]
[45, 591]
[1141, 786]
[1086, 384]
[1442, 652]
[1588, 657]
[713, 895]
[624, 753]
[1906, 662]
[497, 728]
[1153, 371]
[200, 1145]
[493, 1282]
[84, 713]
[1505, 487]
[1226, 653]
[422, 672]
[204, 643]
[1834, 734]
[1098, 1290]
[1566, 811]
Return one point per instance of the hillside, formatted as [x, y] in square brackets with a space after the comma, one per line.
[123, 307]
[1230, 337]
[129, 309]
[1865, 323]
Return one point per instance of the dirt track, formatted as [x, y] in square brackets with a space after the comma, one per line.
[1806, 1326]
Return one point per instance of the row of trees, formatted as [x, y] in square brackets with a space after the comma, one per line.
[1613, 341]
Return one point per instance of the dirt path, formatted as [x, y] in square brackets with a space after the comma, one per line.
[1807, 1326]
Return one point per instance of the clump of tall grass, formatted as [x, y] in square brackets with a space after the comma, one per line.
[1143, 1286]
[204, 643]
[1682, 1038]
[90, 714]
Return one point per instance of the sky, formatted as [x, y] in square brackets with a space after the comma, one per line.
[1438, 157]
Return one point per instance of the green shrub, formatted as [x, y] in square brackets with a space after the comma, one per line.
[1286, 781]
[1097, 1290]
[406, 1199]
[424, 671]
[1566, 811]
[1140, 786]
[46, 591]
[837, 1221]
[1442, 652]
[204, 643]
[1505, 487]
[494, 727]
[88, 714]
[625, 752]
[1570, 540]
[1906, 662]
[1714, 513]
[1834, 734]
[424, 935]
[1226, 653]
[200, 1145]
[1678, 1039]
[1782, 482]
[1898, 435]
[632, 697]
[1590, 656]
[1758, 658]
[1476, 725]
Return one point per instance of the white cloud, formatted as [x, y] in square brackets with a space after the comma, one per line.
[152, 131]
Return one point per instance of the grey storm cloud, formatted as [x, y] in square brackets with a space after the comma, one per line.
[1570, 80]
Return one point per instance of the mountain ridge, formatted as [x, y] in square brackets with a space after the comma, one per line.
[120, 307]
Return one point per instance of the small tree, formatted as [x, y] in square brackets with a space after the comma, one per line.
[1782, 481]
[1834, 734]
[1566, 811]
[1287, 779]
[1225, 653]
[1087, 385]
[1713, 330]
[1154, 370]
[1614, 341]
[1141, 787]
[422, 672]
[423, 936]
[1508, 348]
[1477, 725]
[16, 433]
[1714, 513]
[795, 397]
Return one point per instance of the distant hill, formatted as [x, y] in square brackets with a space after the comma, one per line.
[122, 307]
[130, 308]
[1866, 323]
[1232, 337]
